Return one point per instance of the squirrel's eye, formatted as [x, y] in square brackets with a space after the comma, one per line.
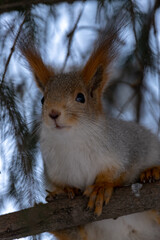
[42, 100]
[80, 98]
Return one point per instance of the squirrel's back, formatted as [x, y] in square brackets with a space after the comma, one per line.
[135, 145]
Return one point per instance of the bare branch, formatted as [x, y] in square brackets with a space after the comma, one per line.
[11, 5]
[65, 213]
[70, 37]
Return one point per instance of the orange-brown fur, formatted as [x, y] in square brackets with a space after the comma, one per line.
[70, 191]
[156, 215]
[42, 72]
[77, 233]
[150, 175]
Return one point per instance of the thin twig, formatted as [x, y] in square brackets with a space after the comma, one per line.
[141, 64]
[158, 67]
[126, 103]
[70, 36]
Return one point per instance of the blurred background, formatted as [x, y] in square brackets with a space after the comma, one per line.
[65, 33]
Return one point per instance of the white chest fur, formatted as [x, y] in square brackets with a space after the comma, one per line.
[73, 157]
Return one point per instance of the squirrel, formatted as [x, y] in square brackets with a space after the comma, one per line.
[84, 149]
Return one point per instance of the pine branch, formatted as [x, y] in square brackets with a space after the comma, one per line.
[65, 213]
[13, 48]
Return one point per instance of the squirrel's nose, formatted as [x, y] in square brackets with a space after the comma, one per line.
[54, 114]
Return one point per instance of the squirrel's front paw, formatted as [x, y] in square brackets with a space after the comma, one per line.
[53, 195]
[70, 191]
[150, 175]
[98, 194]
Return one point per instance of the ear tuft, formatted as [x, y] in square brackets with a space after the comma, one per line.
[96, 80]
[41, 71]
[106, 50]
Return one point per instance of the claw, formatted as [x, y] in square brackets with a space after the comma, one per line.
[150, 175]
[53, 195]
[70, 191]
[98, 194]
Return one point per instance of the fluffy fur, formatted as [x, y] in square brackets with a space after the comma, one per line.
[74, 157]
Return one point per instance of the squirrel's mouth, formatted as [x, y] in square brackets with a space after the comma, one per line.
[60, 127]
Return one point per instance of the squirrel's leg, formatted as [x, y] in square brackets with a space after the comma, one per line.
[62, 190]
[101, 191]
[150, 175]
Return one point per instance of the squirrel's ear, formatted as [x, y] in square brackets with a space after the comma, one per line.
[94, 74]
[96, 71]
[96, 82]
[41, 71]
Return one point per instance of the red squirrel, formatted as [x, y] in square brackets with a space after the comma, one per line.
[85, 149]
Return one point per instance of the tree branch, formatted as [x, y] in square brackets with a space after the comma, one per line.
[12, 5]
[65, 213]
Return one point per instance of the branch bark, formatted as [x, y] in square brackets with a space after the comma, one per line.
[12, 5]
[65, 213]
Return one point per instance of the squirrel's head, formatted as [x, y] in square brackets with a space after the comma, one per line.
[73, 98]
[70, 100]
